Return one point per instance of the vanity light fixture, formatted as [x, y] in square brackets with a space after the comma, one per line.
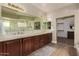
[14, 7]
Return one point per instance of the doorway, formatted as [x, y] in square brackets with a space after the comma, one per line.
[65, 30]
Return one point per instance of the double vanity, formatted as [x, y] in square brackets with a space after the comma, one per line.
[22, 46]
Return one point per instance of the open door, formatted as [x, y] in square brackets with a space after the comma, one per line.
[65, 30]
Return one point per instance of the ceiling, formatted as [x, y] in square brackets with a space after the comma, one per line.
[39, 8]
[42, 9]
[47, 7]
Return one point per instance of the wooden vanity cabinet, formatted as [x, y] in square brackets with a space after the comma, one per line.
[45, 39]
[1, 49]
[27, 46]
[49, 37]
[12, 48]
[33, 43]
[42, 40]
[36, 42]
[24, 46]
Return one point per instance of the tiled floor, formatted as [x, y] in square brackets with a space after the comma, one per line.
[65, 41]
[55, 50]
[64, 50]
[45, 51]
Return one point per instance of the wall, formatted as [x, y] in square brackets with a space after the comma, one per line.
[77, 29]
[54, 38]
[0, 11]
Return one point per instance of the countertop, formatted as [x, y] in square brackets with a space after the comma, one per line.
[27, 34]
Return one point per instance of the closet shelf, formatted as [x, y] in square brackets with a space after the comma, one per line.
[60, 30]
[60, 23]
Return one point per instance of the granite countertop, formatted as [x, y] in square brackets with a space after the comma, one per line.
[27, 34]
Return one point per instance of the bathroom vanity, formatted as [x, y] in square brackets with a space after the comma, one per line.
[24, 46]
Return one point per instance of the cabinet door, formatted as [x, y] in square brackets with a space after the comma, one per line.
[49, 37]
[1, 49]
[46, 38]
[42, 40]
[27, 46]
[70, 35]
[12, 47]
[36, 42]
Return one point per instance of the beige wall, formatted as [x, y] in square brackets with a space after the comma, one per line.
[0, 10]
[77, 29]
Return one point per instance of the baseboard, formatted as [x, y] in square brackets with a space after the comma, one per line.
[76, 45]
[77, 48]
[54, 42]
[62, 37]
